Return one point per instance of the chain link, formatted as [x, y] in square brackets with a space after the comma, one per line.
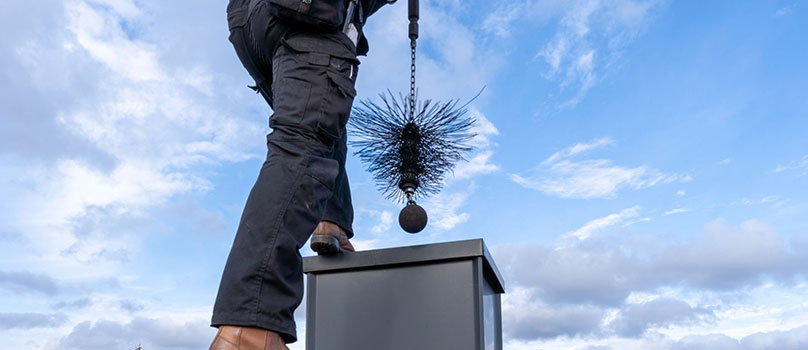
[412, 81]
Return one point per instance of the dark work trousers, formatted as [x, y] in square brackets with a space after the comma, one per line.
[308, 80]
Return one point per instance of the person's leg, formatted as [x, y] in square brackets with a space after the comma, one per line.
[255, 35]
[263, 280]
[339, 209]
[236, 301]
[336, 53]
[334, 231]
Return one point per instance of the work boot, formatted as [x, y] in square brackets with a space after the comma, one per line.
[247, 338]
[329, 238]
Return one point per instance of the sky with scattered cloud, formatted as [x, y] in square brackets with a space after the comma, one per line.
[640, 170]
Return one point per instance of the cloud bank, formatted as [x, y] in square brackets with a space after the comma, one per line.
[626, 286]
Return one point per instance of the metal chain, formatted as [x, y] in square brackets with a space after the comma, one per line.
[412, 81]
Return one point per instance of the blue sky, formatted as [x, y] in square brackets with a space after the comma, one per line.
[640, 168]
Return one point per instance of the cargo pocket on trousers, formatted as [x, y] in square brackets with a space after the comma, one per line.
[341, 94]
[291, 100]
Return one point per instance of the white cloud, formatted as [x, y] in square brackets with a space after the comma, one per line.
[361, 244]
[125, 8]
[769, 199]
[560, 175]
[498, 22]
[635, 319]
[797, 165]
[605, 270]
[154, 123]
[680, 193]
[385, 222]
[721, 281]
[727, 257]
[26, 282]
[593, 179]
[147, 119]
[774, 201]
[554, 53]
[444, 210]
[31, 320]
[578, 148]
[793, 338]
[151, 333]
[525, 318]
[726, 161]
[570, 275]
[589, 39]
[784, 11]
[676, 211]
[479, 163]
[796, 338]
[600, 223]
[131, 185]
[483, 129]
[457, 67]
[101, 36]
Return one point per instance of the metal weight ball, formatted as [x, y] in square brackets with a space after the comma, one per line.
[412, 218]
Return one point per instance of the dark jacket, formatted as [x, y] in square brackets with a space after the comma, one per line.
[238, 13]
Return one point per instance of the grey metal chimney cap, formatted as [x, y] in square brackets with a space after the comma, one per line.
[418, 254]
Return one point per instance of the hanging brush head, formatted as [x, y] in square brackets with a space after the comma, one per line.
[409, 150]
[410, 153]
[409, 156]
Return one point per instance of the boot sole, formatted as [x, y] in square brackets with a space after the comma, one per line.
[322, 244]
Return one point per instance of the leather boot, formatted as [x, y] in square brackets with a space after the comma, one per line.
[329, 238]
[247, 338]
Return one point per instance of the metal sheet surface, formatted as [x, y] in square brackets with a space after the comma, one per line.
[425, 307]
